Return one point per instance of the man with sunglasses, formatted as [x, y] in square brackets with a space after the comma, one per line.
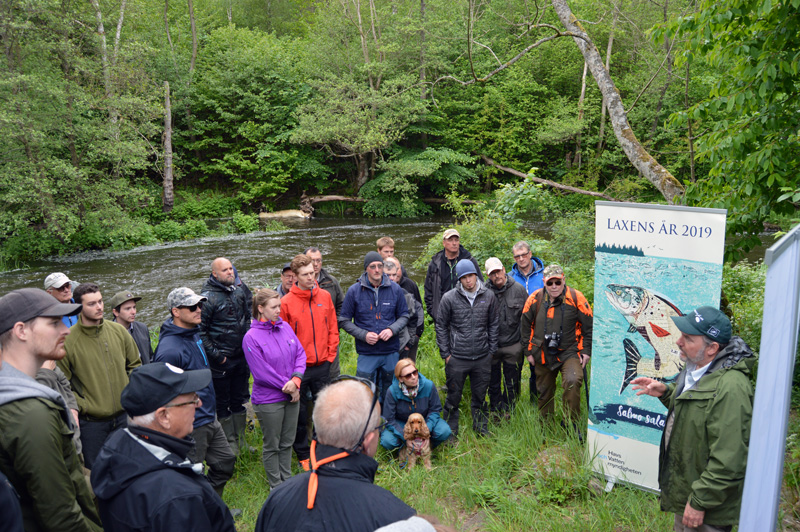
[339, 492]
[556, 332]
[143, 479]
[180, 345]
[59, 286]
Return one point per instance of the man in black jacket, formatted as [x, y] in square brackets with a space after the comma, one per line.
[224, 322]
[466, 332]
[507, 360]
[441, 276]
[142, 477]
[338, 493]
[123, 306]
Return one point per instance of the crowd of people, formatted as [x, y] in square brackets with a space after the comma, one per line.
[101, 432]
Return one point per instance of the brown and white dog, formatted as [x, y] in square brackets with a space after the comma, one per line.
[418, 442]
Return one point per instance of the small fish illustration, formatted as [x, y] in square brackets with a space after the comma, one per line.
[650, 315]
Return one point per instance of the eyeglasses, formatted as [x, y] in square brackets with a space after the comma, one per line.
[554, 282]
[193, 307]
[195, 402]
[375, 266]
[522, 255]
[316, 261]
[412, 374]
[371, 385]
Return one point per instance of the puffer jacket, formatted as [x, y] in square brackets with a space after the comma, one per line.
[468, 331]
[365, 311]
[397, 406]
[183, 349]
[144, 482]
[416, 316]
[533, 281]
[330, 284]
[312, 317]
[274, 355]
[438, 270]
[703, 453]
[225, 321]
[510, 299]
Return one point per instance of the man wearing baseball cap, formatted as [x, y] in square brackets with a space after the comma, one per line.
[36, 450]
[441, 275]
[142, 477]
[703, 453]
[288, 279]
[59, 286]
[180, 345]
[123, 306]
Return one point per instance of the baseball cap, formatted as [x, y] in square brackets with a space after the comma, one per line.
[28, 303]
[121, 297]
[154, 385]
[287, 266]
[451, 232]
[493, 264]
[706, 321]
[183, 297]
[554, 270]
[56, 280]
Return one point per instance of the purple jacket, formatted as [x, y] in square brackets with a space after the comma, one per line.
[274, 355]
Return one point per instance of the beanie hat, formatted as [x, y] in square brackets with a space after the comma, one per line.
[465, 267]
[372, 256]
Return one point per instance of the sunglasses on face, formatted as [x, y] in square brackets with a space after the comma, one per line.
[64, 288]
[411, 374]
[554, 282]
[193, 307]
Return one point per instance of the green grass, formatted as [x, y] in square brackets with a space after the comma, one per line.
[529, 475]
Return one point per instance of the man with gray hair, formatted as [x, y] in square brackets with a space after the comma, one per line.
[143, 479]
[347, 421]
[409, 337]
[180, 345]
[59, 286]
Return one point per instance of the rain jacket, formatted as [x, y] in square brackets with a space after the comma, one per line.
[533, 281]
[312, 317]
[98, 362]
[225, 320]
[347, 499]
[440, 279]
[38, 457]
[467, 331]
[510, 302]
[144, 482]
[371, 312]
[704, 446]
[274, 355]
[398, 406]
[183, 348]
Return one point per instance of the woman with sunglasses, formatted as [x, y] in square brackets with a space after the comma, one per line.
[411, 393]
[277, 362]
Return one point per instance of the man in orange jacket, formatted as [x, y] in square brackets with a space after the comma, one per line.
[310, 312]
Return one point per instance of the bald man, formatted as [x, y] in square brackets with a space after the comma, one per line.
[224, 321]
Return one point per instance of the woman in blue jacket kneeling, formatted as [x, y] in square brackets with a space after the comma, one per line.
[411, 393]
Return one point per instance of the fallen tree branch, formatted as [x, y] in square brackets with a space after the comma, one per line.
[547, 182]
[354, 199]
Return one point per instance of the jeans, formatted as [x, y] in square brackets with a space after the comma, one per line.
[94, 433]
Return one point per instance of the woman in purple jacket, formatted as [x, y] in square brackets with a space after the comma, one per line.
[277, 362]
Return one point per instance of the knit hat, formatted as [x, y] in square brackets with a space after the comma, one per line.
[465, 267]
[372, 256]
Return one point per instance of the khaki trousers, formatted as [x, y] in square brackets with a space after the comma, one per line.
[571, 380]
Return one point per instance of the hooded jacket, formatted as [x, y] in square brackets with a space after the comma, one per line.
[38, 457]
[142, 486]
[397, 406]
[468, 331]
[703, 453]
[533, 281]
[365, 311]
[98, 362]
[183, 348]
[224, 321]
[439, 280]
[312, 317]
[274, 355]
[510, 301]
[347, 499]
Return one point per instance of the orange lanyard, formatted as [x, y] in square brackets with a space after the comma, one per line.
[313, 480]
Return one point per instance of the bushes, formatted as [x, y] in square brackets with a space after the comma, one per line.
[245, 223]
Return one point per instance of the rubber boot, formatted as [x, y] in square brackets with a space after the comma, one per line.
[230, 433]
[239, 427]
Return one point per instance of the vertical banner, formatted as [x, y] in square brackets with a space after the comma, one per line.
[652, 262]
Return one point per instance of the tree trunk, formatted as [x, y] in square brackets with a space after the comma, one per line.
[656, 174]
[169, 36]
[668, 51]
[362, 170]
[689, 133]
[194, 37]
[602, 133]
[168, 199]
[119, 30]
[578, 158]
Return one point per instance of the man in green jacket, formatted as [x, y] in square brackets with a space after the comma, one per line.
[36, 450]
[703, 453]
[100, 356]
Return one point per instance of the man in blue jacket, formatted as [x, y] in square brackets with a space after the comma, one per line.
[374, 312]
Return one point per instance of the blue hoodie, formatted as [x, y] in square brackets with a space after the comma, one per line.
[533, 281]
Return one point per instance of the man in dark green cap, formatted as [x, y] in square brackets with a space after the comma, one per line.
[703, 453]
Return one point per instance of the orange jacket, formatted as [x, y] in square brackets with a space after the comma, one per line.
[312, 316]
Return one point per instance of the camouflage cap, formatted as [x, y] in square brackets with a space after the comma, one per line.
[183, 297]
[553, 270]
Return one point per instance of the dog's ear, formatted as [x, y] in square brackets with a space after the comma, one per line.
[408, 430]
[424, 432]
